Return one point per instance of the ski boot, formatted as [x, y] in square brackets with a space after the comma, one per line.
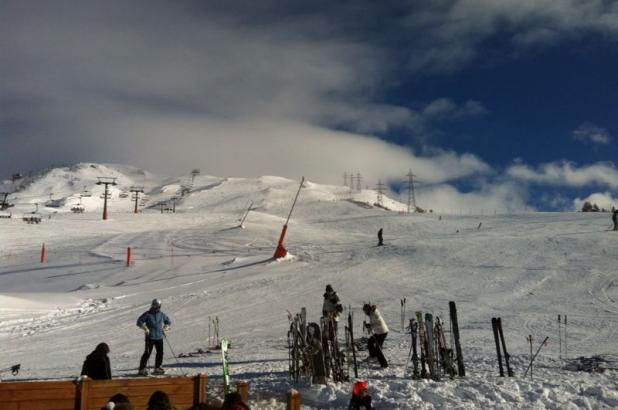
[142, 372]
[158, 371]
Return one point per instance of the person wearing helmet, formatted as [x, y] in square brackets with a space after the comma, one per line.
[154, 323]
[360, 396]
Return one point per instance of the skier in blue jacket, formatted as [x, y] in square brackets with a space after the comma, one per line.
[154, 323]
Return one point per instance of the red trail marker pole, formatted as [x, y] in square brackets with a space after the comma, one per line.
[128, 256]
[43, 253]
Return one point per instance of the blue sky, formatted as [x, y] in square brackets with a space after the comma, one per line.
[503, 106]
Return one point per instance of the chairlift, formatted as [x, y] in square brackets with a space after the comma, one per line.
[32, 218]
[86, 194]
[77, 209]
[123, 194]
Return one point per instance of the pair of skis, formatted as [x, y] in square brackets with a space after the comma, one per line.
[496, 324]
[333, 357]
[435, 356]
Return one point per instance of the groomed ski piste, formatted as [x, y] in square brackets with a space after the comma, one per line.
[524, 268]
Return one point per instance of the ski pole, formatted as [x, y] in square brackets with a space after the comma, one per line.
[566, 356]
[559, 337]
[171, 350]
[535, 355]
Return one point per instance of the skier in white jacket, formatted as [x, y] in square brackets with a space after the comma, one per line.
[379, 329]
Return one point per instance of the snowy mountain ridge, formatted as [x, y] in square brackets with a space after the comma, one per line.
[524, 268]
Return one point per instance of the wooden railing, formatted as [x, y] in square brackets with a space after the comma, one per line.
[87, 394]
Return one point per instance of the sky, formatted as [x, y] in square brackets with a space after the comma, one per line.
[494, 105]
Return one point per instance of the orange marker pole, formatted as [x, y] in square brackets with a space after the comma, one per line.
[128, 256]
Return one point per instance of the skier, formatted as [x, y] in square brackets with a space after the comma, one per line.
[379, 329]
[615, 219]
[154, 323]
[360, 397]
[380, 239]
[96, 366]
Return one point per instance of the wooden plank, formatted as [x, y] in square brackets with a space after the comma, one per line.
[43, 394]
[37, 385]
[40, 405]
[108, 391]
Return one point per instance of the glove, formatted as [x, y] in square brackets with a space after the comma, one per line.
[166, 328]
[146, 330]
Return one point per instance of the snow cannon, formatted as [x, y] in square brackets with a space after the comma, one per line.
[281, 252]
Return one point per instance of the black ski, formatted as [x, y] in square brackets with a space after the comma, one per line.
[461, 370]
[494, 326]
[509, 371]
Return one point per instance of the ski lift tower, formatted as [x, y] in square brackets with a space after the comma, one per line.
[136, 191]
[195, 172]
[107, 181]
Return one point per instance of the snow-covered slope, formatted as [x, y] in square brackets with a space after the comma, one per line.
[526, 269]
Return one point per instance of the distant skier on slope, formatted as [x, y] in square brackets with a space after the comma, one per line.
[154, 323]
[380, 331]
[380, 239]
[96, 366]
[615, 219]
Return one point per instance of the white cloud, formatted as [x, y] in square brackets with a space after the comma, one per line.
[238, 148]
[492, 198]
[567, 174]
[603, 200]
[589, 133]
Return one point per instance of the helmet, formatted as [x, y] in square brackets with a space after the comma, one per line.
[329, 288]
[156, 303]
[359, 386]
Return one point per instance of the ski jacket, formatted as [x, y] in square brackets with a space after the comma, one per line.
[154, 320]
[378, 325]
[360, 403]
[615, 216]
[331, 305]
[96, 366]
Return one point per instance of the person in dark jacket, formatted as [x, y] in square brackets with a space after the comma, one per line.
[380, 238]
[331, 308]
[96, 366]
[154, 323]
[615, 219]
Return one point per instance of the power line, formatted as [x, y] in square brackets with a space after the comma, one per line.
[380, 189]
[411, 195]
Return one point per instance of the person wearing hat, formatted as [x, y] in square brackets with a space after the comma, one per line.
[154, 323]
[331, 309]
[96, 366]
